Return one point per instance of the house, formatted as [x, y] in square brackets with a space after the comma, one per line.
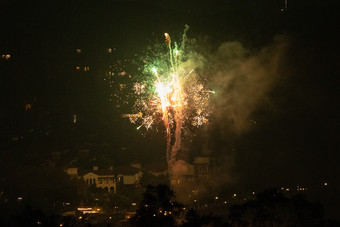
[186, 176]
[128, 175]
[101, 179]
[195, 174]
[72, 172]
[111, 178]
[202, 169]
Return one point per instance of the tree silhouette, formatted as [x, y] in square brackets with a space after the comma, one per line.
[193, 219]
[158, 208]
[272, 208]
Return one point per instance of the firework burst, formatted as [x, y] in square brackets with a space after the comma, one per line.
[171, 91]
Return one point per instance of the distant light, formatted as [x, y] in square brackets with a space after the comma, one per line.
[195, 200]
[326, 184]
[253, 193]
[28, 107]
[84, 208]
[19, 198]
[216, 197]
[7, 56]
[235, 195]
[78, 51]
[80, 217]
[287, 189]
[38, 223]
[133, 204]
[225, 202]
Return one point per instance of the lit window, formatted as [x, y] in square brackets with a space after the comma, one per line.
[28, 107]
[109, 50]
[86, 68]
[77, 68]
[6, 56]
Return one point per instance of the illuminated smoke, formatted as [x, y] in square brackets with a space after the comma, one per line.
[243, 79]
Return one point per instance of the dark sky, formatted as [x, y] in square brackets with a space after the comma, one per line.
[296, 136]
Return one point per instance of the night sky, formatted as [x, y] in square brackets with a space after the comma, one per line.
[280, 129]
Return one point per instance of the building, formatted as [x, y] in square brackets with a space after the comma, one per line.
[195, 174]
[112, 178]
[202, 170]
[128, 175]
[186, 177]
[104, 179]
[72, 172]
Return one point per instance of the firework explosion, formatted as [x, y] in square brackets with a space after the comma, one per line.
[172, 92]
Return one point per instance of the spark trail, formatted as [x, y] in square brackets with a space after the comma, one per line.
[172, 92]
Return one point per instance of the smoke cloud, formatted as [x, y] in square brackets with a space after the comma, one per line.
[179, 168]
[242, 80]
